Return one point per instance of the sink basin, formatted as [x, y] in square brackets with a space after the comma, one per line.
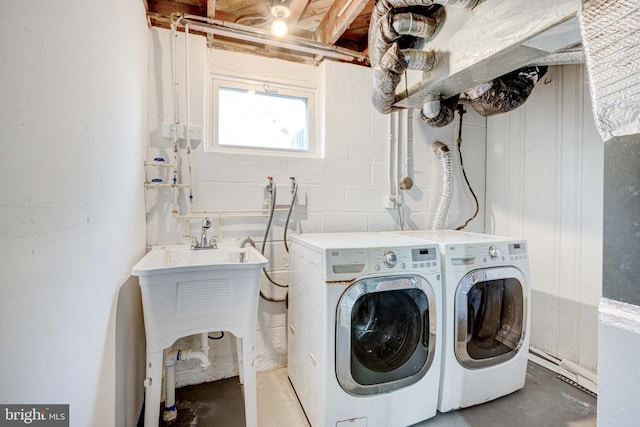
[187, 291]
[181, 258]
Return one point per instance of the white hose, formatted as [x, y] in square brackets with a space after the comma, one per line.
[446, 194]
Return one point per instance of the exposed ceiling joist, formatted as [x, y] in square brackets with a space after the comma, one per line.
[338, 19]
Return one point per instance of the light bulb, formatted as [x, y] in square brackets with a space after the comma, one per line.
[279, 27]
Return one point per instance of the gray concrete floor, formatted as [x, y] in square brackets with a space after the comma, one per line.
[545, 401]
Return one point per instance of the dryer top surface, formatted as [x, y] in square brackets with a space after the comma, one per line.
[454, 236]
[354, 240]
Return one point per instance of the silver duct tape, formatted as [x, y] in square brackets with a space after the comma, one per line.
[620, 315]
[611, 39]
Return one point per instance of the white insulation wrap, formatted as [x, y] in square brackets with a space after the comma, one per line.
[619, 314]
[612, 49]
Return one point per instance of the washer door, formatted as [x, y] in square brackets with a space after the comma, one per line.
[490, 313]
[385, 334]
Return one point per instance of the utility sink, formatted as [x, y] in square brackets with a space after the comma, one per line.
[186, 292]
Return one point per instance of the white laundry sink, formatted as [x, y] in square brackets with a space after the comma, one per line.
[187, 291]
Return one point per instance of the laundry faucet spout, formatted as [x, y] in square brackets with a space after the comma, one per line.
[206, 225]
[204, 242]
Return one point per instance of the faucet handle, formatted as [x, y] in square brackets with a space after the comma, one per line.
[194, 241]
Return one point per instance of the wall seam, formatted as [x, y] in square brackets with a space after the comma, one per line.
[557, 205]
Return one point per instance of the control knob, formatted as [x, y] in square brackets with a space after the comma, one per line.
[494, 252]
[390, 259]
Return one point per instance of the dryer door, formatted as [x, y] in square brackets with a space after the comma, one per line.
[385, 334]
[490, 313]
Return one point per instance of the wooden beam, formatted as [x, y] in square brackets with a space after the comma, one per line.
[338, 18]
[296, 7]
[211, 9]
[167, 7]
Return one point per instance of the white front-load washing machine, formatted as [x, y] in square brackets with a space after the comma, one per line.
[364, 338]
[486, 316]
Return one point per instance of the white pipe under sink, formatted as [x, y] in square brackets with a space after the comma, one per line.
[170, 412]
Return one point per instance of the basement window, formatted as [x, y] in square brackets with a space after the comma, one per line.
[260, 116]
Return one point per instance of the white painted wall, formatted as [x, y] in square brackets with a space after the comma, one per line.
[71, 212]
[544, 184]
[344, 191]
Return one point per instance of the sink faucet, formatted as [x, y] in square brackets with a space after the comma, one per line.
[204, 243]
[206, 224]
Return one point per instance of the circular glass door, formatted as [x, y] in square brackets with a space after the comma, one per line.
[383, 334]
[385, 330]
[490, 313]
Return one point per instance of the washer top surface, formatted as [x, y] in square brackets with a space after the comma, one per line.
[453, 236]
[353, 240]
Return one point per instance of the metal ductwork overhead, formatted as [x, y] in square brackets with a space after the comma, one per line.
[475, 46]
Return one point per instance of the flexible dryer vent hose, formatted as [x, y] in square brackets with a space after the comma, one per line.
[390, 26]
[446, 194]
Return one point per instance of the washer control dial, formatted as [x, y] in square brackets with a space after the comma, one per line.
[494, 252]
[390, 259]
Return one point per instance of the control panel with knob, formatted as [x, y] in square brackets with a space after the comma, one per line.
[390, 259]
[494, 252]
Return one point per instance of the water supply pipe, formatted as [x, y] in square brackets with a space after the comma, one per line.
[188, 111]
[271, 198]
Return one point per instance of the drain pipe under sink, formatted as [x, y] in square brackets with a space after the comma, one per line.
[170, 412]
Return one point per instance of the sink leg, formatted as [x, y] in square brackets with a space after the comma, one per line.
[153, 384]
[239, 351]
[250, 385]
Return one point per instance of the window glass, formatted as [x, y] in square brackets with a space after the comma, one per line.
[261, 116]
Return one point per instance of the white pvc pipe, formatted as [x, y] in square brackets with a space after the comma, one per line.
[393, 157]
[174, 77]
[241, 32]
[203, 358]
[407, 141]
[204, 342]
[187, 59]
[176, 120]
[186, 80]
[170, 412]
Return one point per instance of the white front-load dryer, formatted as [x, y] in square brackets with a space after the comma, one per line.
[364, 339]
[486, 316]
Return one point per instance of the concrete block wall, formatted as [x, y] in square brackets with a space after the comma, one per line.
[343, 191]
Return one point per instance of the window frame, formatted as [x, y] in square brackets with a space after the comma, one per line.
[215, 81]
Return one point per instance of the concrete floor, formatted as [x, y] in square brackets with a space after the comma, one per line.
[546, 401]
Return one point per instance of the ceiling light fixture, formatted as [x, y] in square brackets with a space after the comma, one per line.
[280, 11]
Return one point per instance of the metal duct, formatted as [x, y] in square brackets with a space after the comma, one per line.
[388, 62]
[437, 113]
[505, 93]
